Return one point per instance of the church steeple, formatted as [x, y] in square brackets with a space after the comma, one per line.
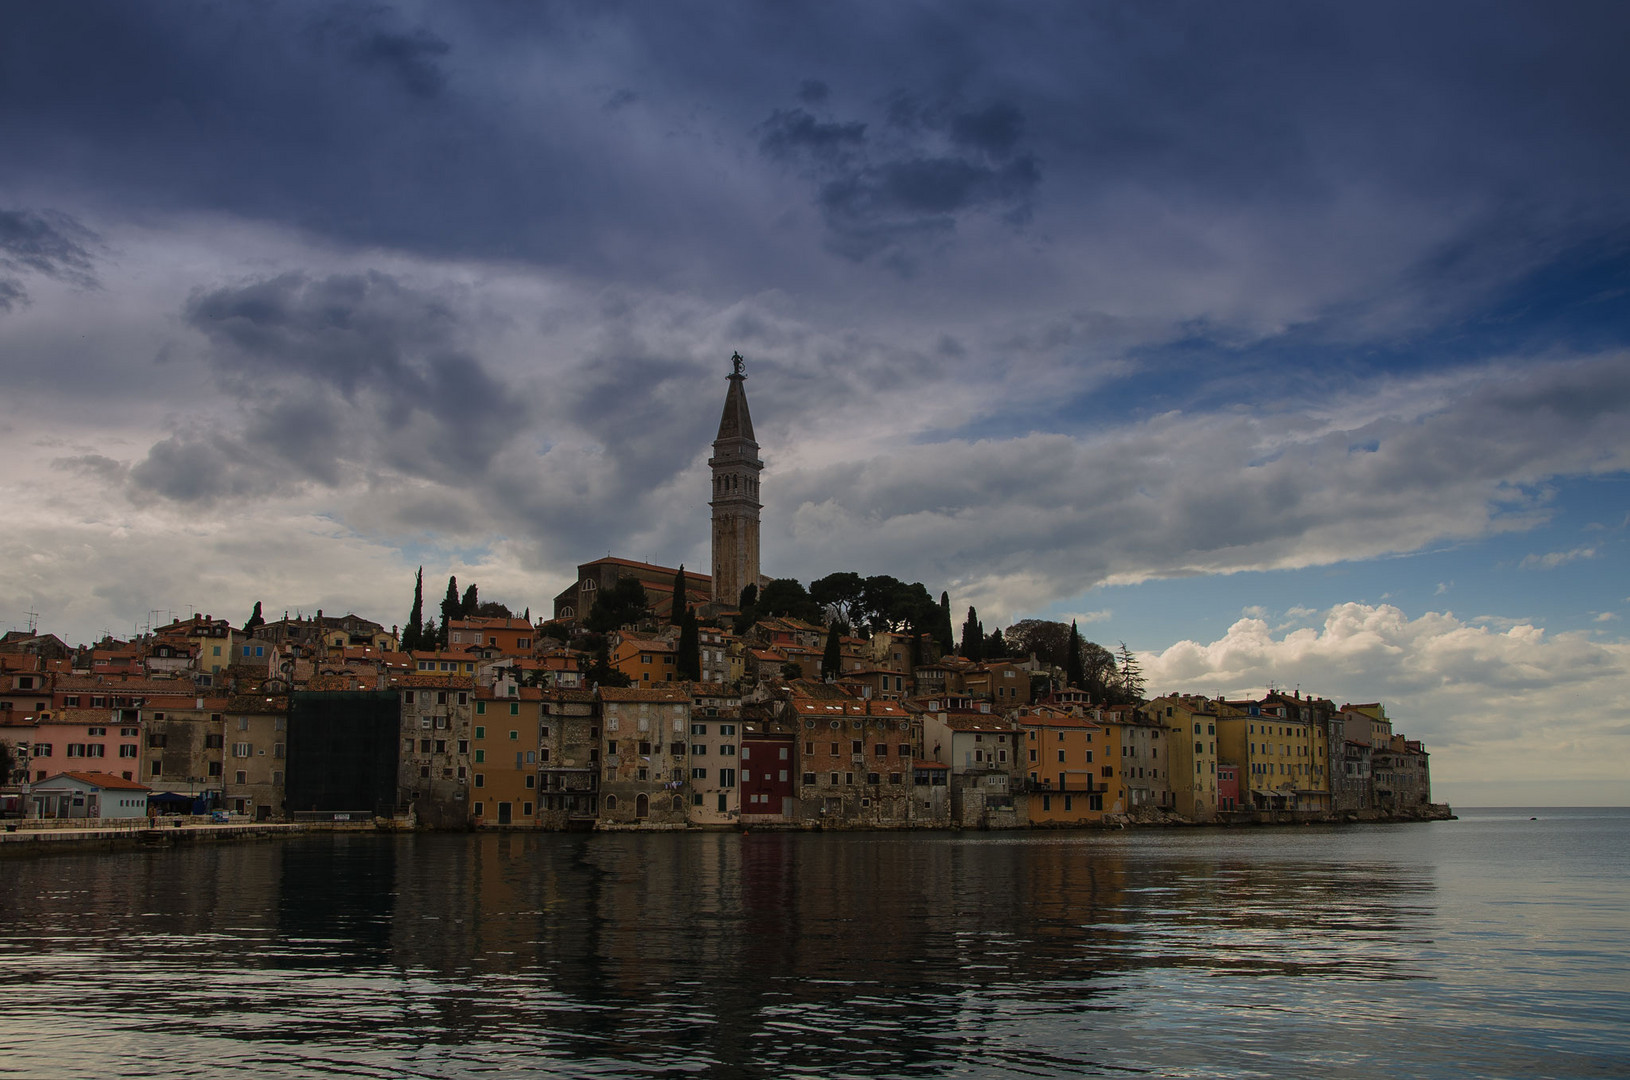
[735, 504]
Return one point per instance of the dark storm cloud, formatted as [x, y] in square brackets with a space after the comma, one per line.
[881, 196]
[408, 55]
[354, 370]
[46, 243]
[483, 128]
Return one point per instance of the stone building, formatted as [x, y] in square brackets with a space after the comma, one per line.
[569, 759]
[643, 751]
[433, 768]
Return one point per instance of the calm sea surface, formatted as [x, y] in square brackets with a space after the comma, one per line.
[1489, 946]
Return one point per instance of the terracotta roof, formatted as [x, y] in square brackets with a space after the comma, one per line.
[101, 780]
[439, 680]
[640, 693]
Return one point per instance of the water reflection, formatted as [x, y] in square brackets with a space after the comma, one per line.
[766, 954]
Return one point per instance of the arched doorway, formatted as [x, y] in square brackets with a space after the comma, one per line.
[642, 806]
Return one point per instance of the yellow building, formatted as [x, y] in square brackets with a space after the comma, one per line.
[1280, 756]
[1191, 746]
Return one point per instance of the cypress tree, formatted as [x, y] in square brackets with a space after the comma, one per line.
[688, 658]
[1075, 672]
[451, 608]
[676, 614]
[946, 633]
[413, 632]
[973, 636]
[256, 620]
[471, 602]
[832, 658]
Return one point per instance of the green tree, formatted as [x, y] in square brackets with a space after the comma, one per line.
[413, 632]
[688, 653]
[1075, 672]
[746, 609]
[995, 646]
[255, 621]
[428, 634]
[787, 596]
[451, 608]
[600, 672]
[1130, 677]
[832, 658]
[973, 636]
[1098, 673]
[624, 604]
[841, 597]
[1048, 640]
[792, 670]
[8, 762]
[944, 632]
[492, 609]
[676, 610]
[471, 601]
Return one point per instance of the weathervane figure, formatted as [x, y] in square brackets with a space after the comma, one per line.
[736, 362]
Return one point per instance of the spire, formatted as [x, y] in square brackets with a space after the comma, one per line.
[737, 422]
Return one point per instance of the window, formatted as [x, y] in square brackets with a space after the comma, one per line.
[155, 740]
[480, 709]
[42, 750]
[531, 782]
[809, 779]
[96, 731]
[131, 733]
[481, 733]
[698, 729]
[240, 749]
[515, 708]
[698, 774]
[127, 750]
[1060, 756]
[611, 746]
[480, 779]
[240, 777]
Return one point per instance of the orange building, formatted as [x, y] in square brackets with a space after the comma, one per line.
[1064, 756]
[645, 660]
[504, 742]
[511, 637]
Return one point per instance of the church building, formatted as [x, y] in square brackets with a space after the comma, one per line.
[735, 466]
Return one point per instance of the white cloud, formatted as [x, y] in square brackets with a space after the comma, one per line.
[1606, 616]
[1443, 587]
[1552, 560]
[1518, 705]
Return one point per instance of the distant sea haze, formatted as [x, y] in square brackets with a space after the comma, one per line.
[1489, 946]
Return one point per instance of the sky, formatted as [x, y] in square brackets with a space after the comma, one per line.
[1286, 344]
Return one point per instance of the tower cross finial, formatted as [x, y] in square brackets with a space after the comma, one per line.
[736, 363]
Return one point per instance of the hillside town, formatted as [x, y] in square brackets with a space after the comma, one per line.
[652, 697]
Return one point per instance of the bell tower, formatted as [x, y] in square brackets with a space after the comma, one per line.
[735, 504]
